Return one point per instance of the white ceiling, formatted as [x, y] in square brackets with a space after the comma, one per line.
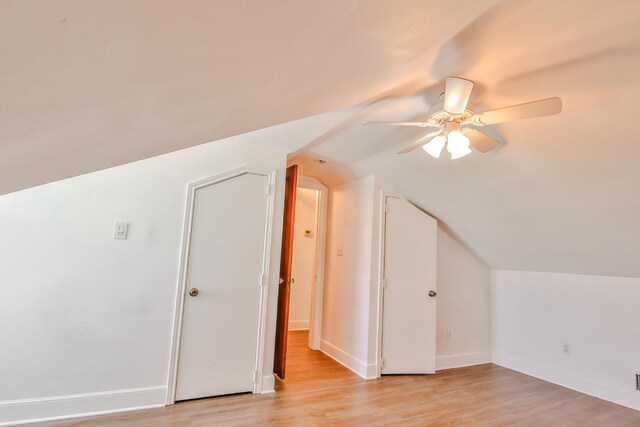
[88, 85]
[562, 193]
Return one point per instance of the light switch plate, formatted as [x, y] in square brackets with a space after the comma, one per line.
[121, 231]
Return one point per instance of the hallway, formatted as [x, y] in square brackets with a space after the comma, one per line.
[312, 371]
[319, 391]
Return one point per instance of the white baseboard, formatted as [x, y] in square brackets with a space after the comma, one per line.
[350, 362]
[298, 325]
[24, 411]
[462, 360]
[626, 398]
[372, 372]
[268, 384]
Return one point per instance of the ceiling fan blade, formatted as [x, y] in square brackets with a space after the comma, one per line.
[543, 107]
[479, 140]
[419, 142]
[415, 124]
[456, 95]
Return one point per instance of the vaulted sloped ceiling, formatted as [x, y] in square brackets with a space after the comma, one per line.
[561, 193]
[89, 84]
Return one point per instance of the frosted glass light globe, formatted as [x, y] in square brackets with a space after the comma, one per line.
[435, 146]
[457, 144]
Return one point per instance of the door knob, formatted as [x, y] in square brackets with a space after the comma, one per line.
[193, 292]
[433, 294]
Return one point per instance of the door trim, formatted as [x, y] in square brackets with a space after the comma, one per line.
[384, 195]
[317, 287]
[182, 273]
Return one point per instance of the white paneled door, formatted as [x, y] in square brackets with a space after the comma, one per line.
[219, 339]
[409, 290]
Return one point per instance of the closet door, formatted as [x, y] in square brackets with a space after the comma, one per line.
[409, 293]
[222, 303]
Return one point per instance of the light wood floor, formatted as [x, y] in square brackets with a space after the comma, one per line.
[319, 391]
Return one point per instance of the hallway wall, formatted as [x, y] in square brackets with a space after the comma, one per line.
[345, 320]
[304, 257]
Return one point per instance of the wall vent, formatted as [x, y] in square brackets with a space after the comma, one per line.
[638, 382]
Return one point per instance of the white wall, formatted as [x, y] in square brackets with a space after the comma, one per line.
[304, 258]
[350, 315]
[463, 306]
[534, 314]
[83, 314]
[345, 321]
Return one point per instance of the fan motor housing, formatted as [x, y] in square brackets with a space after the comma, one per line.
[438, 115]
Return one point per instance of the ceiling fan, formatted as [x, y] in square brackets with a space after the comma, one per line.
[453, 115]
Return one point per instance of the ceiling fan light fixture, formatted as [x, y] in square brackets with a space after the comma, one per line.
[456, 95]
[452, 102]
[454, 111]
[435, 146]
[458, 144]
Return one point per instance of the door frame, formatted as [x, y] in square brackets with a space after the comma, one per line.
[384, 194]
[184, 261]
[317, 287]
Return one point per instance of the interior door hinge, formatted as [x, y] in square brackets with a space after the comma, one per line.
[263, 280]
[384, 282]
[255, 377]
[382, 362]
[269, 186]
[386, 207]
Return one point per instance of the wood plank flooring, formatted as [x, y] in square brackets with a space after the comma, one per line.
[319, 391]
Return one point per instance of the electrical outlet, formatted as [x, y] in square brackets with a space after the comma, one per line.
[566, 349]
[449, 335]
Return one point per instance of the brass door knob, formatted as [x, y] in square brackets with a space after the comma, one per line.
[193, 292]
